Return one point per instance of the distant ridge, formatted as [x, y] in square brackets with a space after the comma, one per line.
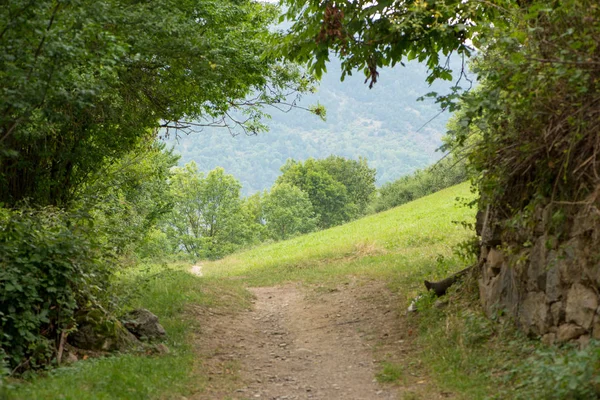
[386, 124]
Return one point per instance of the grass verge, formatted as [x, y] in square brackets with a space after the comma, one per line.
[168, 292]
[481, 358]
[405, 243]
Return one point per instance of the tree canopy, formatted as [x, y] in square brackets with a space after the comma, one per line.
[207, 220]
[339, 189]
[288, 212]
[84, 82]
[367, 35]
[86, 88]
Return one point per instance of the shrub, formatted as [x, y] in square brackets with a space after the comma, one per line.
[444, 174]
[47, 270]
[535, 115]
[567, 373]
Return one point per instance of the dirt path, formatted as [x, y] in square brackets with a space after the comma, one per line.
[299, 343]
[196, 270]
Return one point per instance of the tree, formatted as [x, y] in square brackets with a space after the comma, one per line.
[253, 211]
[444, 173]
[84, 82]
[328, 197]
[85, 88]
[129, 198]
[356, 176]
[288, 212]
[339, 189]
[367, 35]
[207, 219]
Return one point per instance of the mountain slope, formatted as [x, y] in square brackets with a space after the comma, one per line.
[386, 124]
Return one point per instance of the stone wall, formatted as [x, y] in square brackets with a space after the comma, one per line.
[549, 285]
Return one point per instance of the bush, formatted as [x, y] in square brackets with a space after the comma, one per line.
[567, 373]
[535, 115]
[154, 244]
[47, 270]
[444, 174]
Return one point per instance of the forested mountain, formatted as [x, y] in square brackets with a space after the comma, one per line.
[385, 124]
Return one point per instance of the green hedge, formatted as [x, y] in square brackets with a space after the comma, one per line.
[47, 271]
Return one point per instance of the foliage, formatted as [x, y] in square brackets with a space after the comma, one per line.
[528, 130]
[169, 292]
[86, 88]
[338, 189]
[535, 117]
[85, 82]
[444, 174]
[253, 211]
[356, 176]
[48, 270]
[129, 198]
[288, 212]
[536, 112]
[154, 245]
[567, 373]
[368, 35]
[537, 63]
[207, 220]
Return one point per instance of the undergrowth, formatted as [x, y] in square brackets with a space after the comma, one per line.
[167, 291]
[488, 358]
[390, 372]
[557, 374]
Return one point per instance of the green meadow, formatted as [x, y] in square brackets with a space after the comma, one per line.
[402, 243]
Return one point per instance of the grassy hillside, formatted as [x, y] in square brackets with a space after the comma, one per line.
[404, 241]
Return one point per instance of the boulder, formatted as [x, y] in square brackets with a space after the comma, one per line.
[582, 303]
[144, 325]
[499, 292]
[584, 341]
[569, 264]
[69, 358]
[549, 338]
[104, 334]
[557, 311]
[536, 269]
[550, 288]
[495, 259]
[486, 227]
[161, 348]
[596, 326]
[568, 332]
[553, 284]
[534, 315]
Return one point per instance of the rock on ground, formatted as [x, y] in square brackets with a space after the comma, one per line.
[144, 325]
